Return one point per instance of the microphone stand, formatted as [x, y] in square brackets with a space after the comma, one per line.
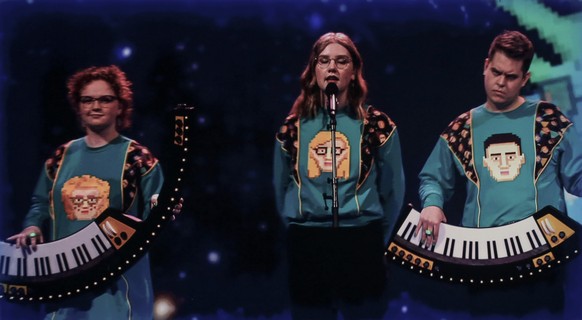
[331, 90]
[334, 182]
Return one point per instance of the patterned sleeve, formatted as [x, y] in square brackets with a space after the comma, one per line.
[39, 210]
[143, 168]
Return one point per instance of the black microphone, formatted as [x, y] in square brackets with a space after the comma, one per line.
[331, 91]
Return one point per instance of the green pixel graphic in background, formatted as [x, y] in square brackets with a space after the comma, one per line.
[561, 84]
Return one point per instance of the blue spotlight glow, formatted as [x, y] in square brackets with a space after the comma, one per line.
[315, 22]
[213, 257]
[123, 52]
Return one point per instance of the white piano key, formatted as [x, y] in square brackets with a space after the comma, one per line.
[479, 237]
[86, 245]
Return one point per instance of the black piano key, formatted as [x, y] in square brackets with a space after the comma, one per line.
[42, 267]
[77, 260]
[513, 248]
[96, 245]
[446, 246]
[7, 266]
[451, 248]
[495, 253]
[519, 246]
[476, 250]
[531, 242]
[100, 241]
[36, 267]
[412, 232]
[405, 233]
[81, 255]
[506, 247]
[86, 251]
[65, 261]
[470, 249]
[19, 267]
[62, 262]
[2, 265]
[539, 243]
[409, 231]
[464, 256]
[48, 266]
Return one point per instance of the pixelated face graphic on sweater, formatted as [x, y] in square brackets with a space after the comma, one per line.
[320, 155]
[503, 157]
[85, 197]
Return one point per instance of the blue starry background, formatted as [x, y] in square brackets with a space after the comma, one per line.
[238, 62]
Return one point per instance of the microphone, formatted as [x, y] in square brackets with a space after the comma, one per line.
[331, 91]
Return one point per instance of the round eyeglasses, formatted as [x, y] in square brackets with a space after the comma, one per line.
[341, 62]
[87, 100]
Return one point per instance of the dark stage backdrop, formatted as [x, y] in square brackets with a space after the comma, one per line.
[239, 63]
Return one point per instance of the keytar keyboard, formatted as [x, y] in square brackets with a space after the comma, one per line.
[100, 252]
[508, 253]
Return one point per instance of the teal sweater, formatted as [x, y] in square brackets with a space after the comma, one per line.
[369, 170]
[548, 161]
[76, 185]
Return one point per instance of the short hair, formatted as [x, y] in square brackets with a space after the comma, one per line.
[515, 45]
[118, 82]
[502, 138]
[310, 97]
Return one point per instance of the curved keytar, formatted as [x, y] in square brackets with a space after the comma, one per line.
[104, 249]
[488, 256]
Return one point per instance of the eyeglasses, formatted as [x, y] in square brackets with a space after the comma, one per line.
[323, 150]
[341, 62]
[103, 100]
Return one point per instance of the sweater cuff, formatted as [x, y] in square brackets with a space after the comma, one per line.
[433, 200]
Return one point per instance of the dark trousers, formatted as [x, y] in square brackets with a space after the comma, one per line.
[542, 298]
[337, 269]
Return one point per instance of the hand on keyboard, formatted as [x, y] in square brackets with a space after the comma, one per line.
[430, 219]
[30, 235]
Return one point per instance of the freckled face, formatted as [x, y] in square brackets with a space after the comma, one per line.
[85, 203]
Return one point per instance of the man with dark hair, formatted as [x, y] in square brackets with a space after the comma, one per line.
[516, 156]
